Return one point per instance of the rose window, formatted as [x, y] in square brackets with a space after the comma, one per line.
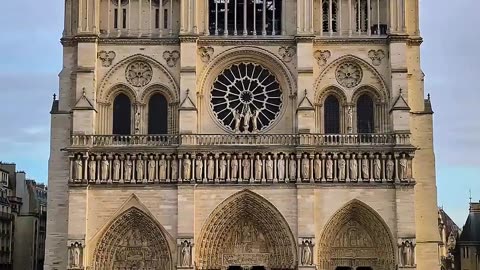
[349, 74]
[139, 73]
[246, 97]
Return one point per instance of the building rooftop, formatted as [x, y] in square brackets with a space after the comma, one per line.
[471, 230]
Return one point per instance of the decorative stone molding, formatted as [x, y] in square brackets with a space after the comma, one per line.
[75, 254]
[287, 53]
[241, 167]
[322, 57]
[406, 252]
[349, 74]
[305, 247]
[376, 57]
[185, 252]
[106, 57]
[139, 73]
[205, 53]
[171, 57]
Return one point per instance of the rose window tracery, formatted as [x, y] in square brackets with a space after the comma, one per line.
[349, 74]
[246, 97]
[139, 73]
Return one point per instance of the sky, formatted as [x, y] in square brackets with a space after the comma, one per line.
[31, 58]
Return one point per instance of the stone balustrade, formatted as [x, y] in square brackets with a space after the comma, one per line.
[240, 167]
[79, 141]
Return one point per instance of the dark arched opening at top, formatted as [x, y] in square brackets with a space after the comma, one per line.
[158, 115]
[365, 114]
[122, 113]
[332, 115]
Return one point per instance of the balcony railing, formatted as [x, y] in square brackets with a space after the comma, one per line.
[239, 140]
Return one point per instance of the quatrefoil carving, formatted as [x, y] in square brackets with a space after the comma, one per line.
[322, 57]
[106, 57]
[171, 57]
[376, 57]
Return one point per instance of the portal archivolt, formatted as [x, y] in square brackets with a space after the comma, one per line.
[246, 230]
[356, 236]
[133, 241]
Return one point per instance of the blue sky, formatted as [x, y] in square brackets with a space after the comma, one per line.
[30, 59]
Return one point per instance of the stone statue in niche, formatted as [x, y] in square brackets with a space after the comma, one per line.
[185, 254]
[246, 119]
[128, 164]
[137, 119]
[317, 167]
[151, 167]
[305, 167]
[269, 167]
[210, 168]
[342, 165]
[222, 167]
[174, 168]
[350, 119]
[390, 167]
[187, 168]
[329, 167]
[377, 168]
[75, 255]
[307, 253]
[365, 167]
[407, 253]
[258, 168]
[116, 168]
[139, 168]
[292, 169]
[92, 168]
[105, 165]
[353, 168]
[162, 168]
[78, 168]
[246, 167]
[234, 167]
[281, 167]
[403, 162]
[198, 168]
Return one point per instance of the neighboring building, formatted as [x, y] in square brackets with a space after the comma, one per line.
[25, 237]
[266, 134]
[449, 233]
[468, 244]
[7, 220]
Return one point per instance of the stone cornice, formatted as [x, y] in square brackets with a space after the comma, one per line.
[246, 40]
[350, 40]
[73, 41]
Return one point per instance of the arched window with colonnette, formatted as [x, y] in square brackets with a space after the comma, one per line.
[365, 114]
[158, 114]
[122, 114]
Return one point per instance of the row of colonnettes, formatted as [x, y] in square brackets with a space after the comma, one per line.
[209, 168]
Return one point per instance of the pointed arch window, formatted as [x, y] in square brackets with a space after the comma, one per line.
[158, 114]
[122, 114]
[332, 115]
[327, 17]
[365, 114]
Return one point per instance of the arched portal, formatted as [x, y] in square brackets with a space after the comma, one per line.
[356, 237]
[133, 241]
[246, 231]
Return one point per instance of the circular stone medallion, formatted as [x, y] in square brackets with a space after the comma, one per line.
[139, 73]
[349, 74]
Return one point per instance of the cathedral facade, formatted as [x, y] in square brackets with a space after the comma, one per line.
[242, 134]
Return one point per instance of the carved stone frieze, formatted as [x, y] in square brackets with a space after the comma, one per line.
[322, 57]
[206, 53]
[106, 57]
[244, 167]
[139, 73]
[287, 53]
[171, 57]
[376, 56]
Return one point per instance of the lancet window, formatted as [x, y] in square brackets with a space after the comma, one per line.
[245, 17]
[122, 114]
[332, 115]
[329, 15]
[158, 115]
[365, 114]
